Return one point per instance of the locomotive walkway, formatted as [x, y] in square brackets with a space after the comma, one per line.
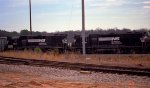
[76, 66]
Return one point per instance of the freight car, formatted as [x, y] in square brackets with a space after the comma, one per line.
[31, 42]
[134, 42]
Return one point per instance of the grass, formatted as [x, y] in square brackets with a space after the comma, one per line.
[129, 60]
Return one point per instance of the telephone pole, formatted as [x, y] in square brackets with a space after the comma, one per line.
[30, 10]
[83, 29]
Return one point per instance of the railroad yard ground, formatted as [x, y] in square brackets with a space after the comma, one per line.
[122, 60]
[24, 76]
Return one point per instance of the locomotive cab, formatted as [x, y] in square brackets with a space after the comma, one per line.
[146, 42]
[6, 43]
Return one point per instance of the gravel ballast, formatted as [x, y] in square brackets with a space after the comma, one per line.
[49, 73]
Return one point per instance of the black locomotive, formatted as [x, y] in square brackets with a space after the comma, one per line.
[134, 42]
[31, 42]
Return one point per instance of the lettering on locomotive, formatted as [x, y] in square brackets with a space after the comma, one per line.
[109, 39]
[36, 40]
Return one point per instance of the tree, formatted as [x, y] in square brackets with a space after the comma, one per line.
[24, 32]
[14, 33]
[37, 33]
[4, 33]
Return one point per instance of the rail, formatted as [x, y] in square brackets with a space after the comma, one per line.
[76, 66]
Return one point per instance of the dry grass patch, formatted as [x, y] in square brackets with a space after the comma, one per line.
[41, 56]
[133, 60]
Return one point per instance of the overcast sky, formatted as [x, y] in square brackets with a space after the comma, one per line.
[63, 15]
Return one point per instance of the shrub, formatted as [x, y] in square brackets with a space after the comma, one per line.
[55, 52]
[38, 50]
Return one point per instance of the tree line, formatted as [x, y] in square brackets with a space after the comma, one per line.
[71, 33]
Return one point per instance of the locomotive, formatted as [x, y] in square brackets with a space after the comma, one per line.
[133, 42]
[31, 42]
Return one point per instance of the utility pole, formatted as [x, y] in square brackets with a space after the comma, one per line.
[83, 29]
[30, 10]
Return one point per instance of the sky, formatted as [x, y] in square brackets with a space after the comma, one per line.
[65, 15]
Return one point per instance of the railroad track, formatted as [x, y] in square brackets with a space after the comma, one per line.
[76, 66]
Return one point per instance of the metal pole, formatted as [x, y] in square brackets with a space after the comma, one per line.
[30, 10]
[83, 29]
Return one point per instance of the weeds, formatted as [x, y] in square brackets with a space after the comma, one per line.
[102, 59]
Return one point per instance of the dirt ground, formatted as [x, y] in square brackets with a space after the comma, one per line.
[27, 80]
[15, 79]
